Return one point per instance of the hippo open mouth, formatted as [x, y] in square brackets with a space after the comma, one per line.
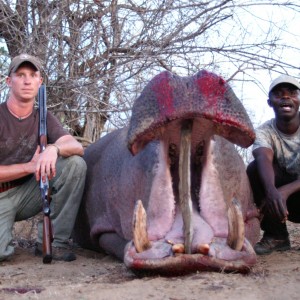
[190, 224]
[170, 194]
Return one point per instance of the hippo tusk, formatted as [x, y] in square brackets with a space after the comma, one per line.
[140, 235]
[185, 184]
[236, 227]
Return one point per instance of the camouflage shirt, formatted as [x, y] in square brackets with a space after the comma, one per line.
[286, 148]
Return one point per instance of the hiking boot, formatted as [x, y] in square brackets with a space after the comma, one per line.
[268, 244]
[58, 253]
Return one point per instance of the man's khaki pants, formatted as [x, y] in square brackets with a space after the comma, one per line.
[23, 202]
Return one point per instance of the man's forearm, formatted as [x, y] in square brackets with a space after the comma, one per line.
[16, 171]
[290, 188]
[266, 174]
[68, 146]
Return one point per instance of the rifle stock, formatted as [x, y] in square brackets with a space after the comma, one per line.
[44, 185]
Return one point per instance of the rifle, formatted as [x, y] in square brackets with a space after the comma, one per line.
[44, 186]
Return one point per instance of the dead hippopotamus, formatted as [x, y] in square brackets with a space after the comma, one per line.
[169, 194]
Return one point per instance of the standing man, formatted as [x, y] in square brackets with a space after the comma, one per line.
[275, 172]
[22, 164]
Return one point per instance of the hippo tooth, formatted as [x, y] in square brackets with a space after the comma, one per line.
[203, 249]
[178, 248]
[185, 184]
[236, 227]
[140, 235]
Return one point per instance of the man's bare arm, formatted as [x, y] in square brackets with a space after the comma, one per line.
[16, 171]
[43, 163]
[68, 146]
[289, 189]
[274, 201]
[264, 159]
[65, 146]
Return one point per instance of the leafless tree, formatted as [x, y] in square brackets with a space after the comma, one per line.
[99, 54]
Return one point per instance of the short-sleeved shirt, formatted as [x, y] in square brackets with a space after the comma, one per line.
[19, 138]
[286, 148]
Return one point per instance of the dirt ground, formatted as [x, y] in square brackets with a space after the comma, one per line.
[98, 276]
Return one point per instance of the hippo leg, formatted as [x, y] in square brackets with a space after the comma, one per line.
[113, 244]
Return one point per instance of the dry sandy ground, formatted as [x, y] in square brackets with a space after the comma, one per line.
[97, 276]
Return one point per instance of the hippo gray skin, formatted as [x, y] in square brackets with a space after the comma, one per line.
[169, 194]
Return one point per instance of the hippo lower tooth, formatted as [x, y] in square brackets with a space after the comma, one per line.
[185, 184]
[236, 227]
[178, 248]
[203, 249]
[140, 235]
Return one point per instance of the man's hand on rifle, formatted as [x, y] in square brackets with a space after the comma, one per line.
[45, 163]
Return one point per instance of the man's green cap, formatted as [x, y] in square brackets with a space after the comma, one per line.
[22, 58]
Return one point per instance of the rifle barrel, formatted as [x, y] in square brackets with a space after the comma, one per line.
[44, 185]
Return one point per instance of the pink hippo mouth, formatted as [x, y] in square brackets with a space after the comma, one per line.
[200, 213]
[192, 221]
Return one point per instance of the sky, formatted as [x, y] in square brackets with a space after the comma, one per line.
[255, 96]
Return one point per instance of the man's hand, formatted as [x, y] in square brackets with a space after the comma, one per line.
[45, 163]
[275, 203]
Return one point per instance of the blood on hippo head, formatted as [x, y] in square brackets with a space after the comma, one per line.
[169, 97]
[169, 194]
